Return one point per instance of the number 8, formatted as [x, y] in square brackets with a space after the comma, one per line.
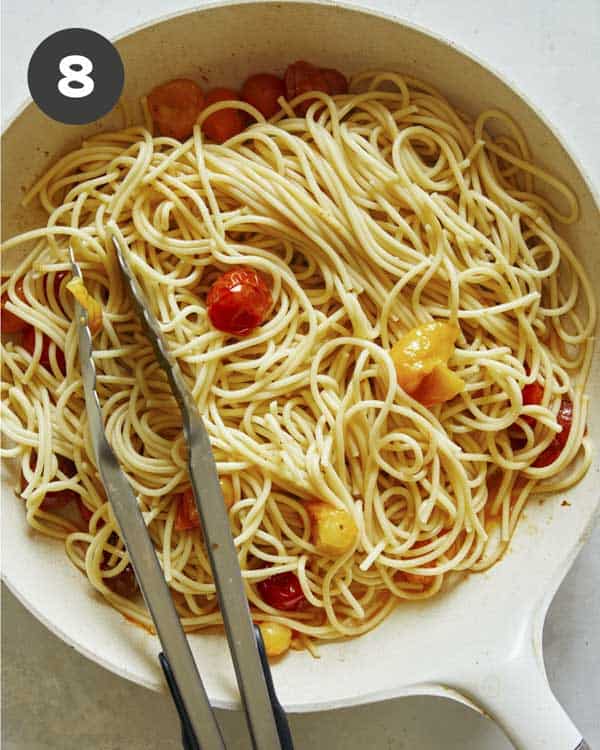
[65, 84]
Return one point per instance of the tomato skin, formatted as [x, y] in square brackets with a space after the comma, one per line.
[553, 451]
[238, 301]
[337, 82]
[124, 584]
[10, 322]
[175, 107]
[59, 499]
[29, 345]
[301, 77]
[187, 514]
[532, 395]
[282, 591]
[85, 513]
[262, 91]
[224, 124]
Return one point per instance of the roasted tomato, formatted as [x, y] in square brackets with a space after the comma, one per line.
[333, 531]
[124, 583]
[336, 81]
[224, 124]
[532, 395]
[262, 91]
[439, 386]
[553, 451]
[187, 513]
[175, 107]
[11, 323]
[421, 357]
[282, 591]
[85, 513]
[29, 345]
[55, 500]
[59, 499]
[302, 77]
[238, 301]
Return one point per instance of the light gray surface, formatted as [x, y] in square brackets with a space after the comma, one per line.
[53, 699]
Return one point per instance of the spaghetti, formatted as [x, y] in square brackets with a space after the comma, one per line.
[378, 211]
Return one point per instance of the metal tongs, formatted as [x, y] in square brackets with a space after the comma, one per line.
[266, 719]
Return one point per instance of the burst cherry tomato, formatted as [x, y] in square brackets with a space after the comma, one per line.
[55, 500]
[85, 513]
[262, 92]
[124, 584]
[301, 77]
[29, 344]
[282, 591]
[224, 124]
[187, 513]
[553, 451]
[60, 498]
[175, 107]
[10, 322]
[238, 301]
[336, 81]
[532, 396]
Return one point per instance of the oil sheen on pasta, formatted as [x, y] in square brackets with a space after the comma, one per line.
[378, 211]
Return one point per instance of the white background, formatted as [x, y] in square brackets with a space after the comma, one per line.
[53, 699]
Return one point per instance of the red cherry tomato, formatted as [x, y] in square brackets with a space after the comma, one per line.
[262, 91]
[187, 513]
[336, 81]
[301, 77]
[29, 344]
[238, 301]
[282, 591]
[59, 499]
[175, 107]
[86, 514]
[224, 124]
[532, 395]
[11, 323]
[55, 500]
[124, 584]
[553, 451]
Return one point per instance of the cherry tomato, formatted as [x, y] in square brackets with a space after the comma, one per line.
[282, 591]
[60, 498]
[301, 77]
[124, 584]
[553, 451]
[187, 513]
[55, 500]
[532, 395]
[238, 301]
[225, 123]
[262, 92]
[10, 322]
[85, 513]
[336, 81]
[175, 107]
[29, 344]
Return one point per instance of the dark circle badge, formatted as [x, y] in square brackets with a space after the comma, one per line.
[75, 76]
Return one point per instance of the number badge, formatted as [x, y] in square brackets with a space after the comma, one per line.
[75, 76]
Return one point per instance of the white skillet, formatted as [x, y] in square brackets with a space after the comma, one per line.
[480, 643]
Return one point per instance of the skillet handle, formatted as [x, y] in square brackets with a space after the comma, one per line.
[517, 696]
